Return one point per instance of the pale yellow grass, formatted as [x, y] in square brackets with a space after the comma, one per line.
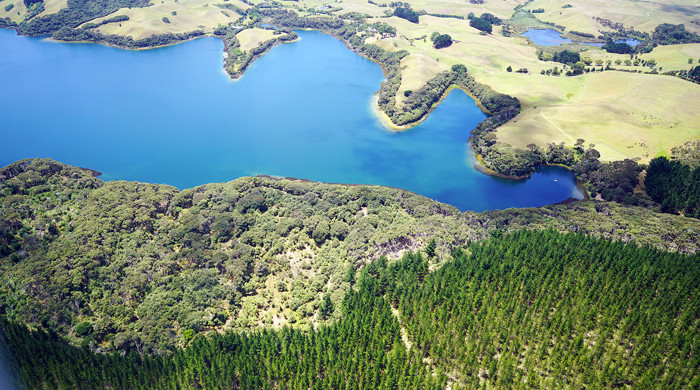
[252, 37]
[501, 8]
[491, 53]
[616, 111]
[669, 57]
[53, 6]
[17, 13]
[674, 57]
[417, 70]
[642, 15]
[148, 21]
[360, 7]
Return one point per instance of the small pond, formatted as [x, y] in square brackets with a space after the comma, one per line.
[549, 37]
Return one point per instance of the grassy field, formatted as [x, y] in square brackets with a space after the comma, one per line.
[252, 37]
[672, 57]
[53, 6]
[189, 15]
[613, 110]
[19, 11]
[16, 14]
[642, 15]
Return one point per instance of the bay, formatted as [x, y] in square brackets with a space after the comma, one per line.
[171, 115]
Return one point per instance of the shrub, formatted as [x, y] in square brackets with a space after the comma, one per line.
[83, 329]
[442, 40]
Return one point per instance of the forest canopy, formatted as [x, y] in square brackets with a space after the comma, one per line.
[527, 309]
[117, 261]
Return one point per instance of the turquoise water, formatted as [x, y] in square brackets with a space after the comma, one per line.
[171, 115]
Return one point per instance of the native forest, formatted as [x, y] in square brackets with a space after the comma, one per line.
[275, 282]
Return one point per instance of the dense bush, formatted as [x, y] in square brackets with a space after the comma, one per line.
[481, 24]
[619, 48]
[442, 40]
[675, 186]
[30, 3]
[566, 57]
[81, 34]
[406, 13]
[124, 256]
[671, 34]
[491, 18]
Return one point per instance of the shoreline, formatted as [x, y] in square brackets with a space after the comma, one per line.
[50, 39]
[379, 114]
[239, 73]
[481, 167]
[389, 124]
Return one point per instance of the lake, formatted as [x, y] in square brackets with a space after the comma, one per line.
[549, 37]
[629, 41]
[171, 115]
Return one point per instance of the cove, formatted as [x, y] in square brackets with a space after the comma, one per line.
[171, 115]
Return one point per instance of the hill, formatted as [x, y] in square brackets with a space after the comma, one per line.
[132, 266]
[533, 309]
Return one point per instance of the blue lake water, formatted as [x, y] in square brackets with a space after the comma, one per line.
[171, 115]
[629, 41]
[545, 37]
[549, 37]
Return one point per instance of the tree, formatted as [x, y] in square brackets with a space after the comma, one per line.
[578, 67]
[619, 48]
[481, 24]
[321, 232]
[406, 13]
[442, 40]
[430, 249]
[326, 308]
[83, 329]
[567, 57]
[459, 69]
[490, 18]
[509, 68]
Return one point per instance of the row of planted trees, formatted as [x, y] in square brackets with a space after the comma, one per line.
[525, 310]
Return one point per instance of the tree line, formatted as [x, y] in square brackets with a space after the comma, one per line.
[69, 34]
